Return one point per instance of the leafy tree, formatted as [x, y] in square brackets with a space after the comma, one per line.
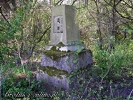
[24, 31]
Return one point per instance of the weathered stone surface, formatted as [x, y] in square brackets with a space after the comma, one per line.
[65, 71]
[70, 62]
[64, 29]
[53, 80]
[72, 81]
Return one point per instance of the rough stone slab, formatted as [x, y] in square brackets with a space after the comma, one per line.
[64, 83]
[69, 63]
[72, 63]
[53, 80]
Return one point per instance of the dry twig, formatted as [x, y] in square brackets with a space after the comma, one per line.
[85, 89]
[106, 73]
[130, 94]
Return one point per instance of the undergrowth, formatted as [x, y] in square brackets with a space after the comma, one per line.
[110, 78]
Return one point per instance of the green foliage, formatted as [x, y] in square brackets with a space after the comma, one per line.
[119, 58]
[27, 32]
[27, 26]
[14, 83]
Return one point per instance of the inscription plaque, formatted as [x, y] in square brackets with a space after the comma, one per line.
[58, 24]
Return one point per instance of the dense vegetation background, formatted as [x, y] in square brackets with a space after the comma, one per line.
[106, 27]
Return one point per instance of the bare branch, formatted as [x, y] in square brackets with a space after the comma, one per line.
[106, 73]
[130, 94]
[4, 16]
[44, 33]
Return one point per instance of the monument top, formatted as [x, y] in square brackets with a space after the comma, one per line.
[64, 30]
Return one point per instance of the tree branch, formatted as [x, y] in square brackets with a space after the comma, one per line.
[4, 16]
[44, 33]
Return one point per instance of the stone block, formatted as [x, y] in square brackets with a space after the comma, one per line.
[64, 82]
[68, 61]
[64, 29]
[64, 70]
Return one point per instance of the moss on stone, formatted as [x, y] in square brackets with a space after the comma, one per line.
[55, 54]
[53, 48]
[52, 71]
[60, 44]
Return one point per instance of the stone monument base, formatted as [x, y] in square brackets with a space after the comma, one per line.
[66, 82]
[67, 47]
[64, 69]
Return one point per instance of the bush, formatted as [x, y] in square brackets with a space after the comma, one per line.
[118, 59]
